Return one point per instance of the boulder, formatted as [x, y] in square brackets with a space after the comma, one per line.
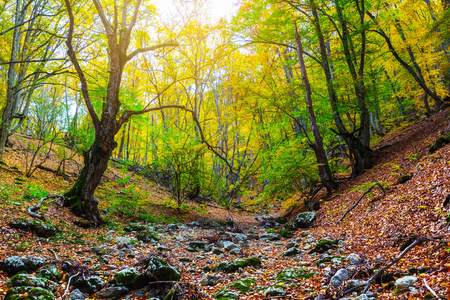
[158, 269]
[305, 219]
[28, 293]
[244, 285]
[275, 291]
[225, 294]
[339, 278]
[234, 266]
[136, 227]
[210, 280]
[147, 236]
[353, 259]
[405, 282]
[290, 252]
[268, 237]
[112, 292]
[51, 272]
[291, 274]
[198, 246]
[324, 245]
[15, 264]
[39, 228]
[130, 278]
[77, 295]
[30, 280]
[227, 245]
[89, 285]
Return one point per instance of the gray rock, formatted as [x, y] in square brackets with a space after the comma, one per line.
[290, 252]
[355, 283]
[162, 248]
[77, 295]
[41, 229]
[130, 278]
[204, 282]
[362, 297]
[305, 219]
[227, 245]
[158, 269]
[123, 240]
[336, 261]
[270, 237]
[404, 283]
[30, 280]
[90, 285]
[353, 259]
[235, 251]
[136, 227]
[239, 238]
[226, 294]
[339, 278]
[147, 236]
[33, 293]
[275, 291]
[198, 246]
[15, 264]
[112, 292]
[51, 272]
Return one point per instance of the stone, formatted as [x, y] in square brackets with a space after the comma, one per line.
[239, 238]
[39, 228]
[235, 251]
[15, 264]
[339, 278]
[305, 219]
[353, 259]
[235, 266]
[244, 285]
[162, 248]
[291, 274]
[362, 297]
[227, 245]
[324, 245]
[112, 292]
[158, 269]
[123, 240]
[147, 236]
[136, 227]
[198, 246]
[404, 283]
[90, 285]
[225, 294]
[336, 261]
[355, 283]
[30, 280]
[204, 282]
[51, 272]
[130, 278]
[268, 237]
[290, 252]
[275, 291]
[77, 295]
[28, 293]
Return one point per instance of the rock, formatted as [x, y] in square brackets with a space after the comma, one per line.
[77, 295]
[353, 259]
[158, 269]
[291, 274]
[51, 272]
[207, 224]
[15, 264]
[123, 240]
[39, 228]
[185, 259]
[210, 280]
[336, 261]
[362, 297]
[235, 251]
[162, 248]
[204, 282]
[305, 219]
[339, 278]
[198, 246]
[147, 236]
[290, 252]
[233, 267]
[225, 294]
[324, 245]
[28, 293]
[404, 283]
[355, 283]
[136, 227]
[90, 285]
[275, 291]
[130, 278]
[227, 245]
[239, 238]
[404, 178]
[270, 237]
[112, 292]
[30, 280]
[244, 285]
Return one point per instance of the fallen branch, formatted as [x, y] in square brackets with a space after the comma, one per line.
[430, 289]
[54, 253]
[36, 207]
[68, 285]
[362, 196]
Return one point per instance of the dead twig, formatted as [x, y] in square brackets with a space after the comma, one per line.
[429, 288]
[54, 253]
[362, 196]
[36, 207]
[68, 284]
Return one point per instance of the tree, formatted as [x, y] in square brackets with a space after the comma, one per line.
[118, 33]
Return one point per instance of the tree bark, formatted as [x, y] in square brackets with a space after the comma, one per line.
[326, 177]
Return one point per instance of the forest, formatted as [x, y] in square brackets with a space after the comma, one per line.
[310, 125]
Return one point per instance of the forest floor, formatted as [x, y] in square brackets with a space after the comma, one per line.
[375, 229]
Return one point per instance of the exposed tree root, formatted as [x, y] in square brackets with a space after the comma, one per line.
[36, 207]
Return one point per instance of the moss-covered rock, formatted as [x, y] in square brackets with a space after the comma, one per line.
[147, 236]
[136, 227]
[15, 264]
[225, 294]
[28, 293]
[90, 285]
[291, 274]
[41, 229]
[234, 266]
[30, 280]
[404, 178]
[130, 277]
[244, 285]
[50, 272]
[305, 219]
[157, 269]
[324, 245]
[275, 291]
[440, 142]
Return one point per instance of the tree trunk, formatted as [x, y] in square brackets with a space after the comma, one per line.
[326, 177]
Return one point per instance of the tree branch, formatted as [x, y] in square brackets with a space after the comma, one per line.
[73, 58]
[146, 49]
[102, 16]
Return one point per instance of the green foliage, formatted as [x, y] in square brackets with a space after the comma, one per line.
[34, 192]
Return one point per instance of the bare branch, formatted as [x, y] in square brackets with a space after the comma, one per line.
[102, 16]
[73, 58]
[146, 49]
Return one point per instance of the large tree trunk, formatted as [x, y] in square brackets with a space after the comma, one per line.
[325, 174]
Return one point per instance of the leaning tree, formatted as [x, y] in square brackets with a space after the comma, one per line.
[118, 33]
